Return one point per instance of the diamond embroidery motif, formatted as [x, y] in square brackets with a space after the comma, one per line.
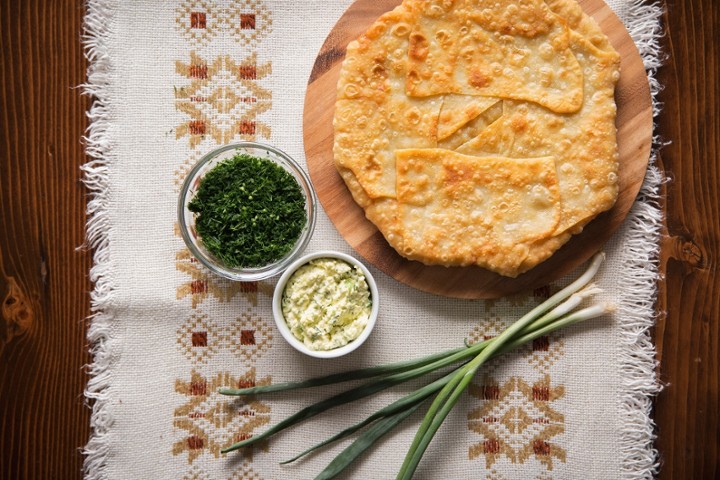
[517, 421]
[197, 338]
[199, 20]
[249, 337]
[211, 421]
[544, 352]
[250, 21]
[223, 99]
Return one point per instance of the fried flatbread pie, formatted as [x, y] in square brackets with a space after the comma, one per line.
[479, 132]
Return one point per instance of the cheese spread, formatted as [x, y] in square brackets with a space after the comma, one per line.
[327, 303]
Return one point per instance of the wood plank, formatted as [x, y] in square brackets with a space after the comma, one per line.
[43, 279]
[687, 411]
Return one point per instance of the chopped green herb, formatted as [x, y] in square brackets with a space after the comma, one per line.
[249, 211]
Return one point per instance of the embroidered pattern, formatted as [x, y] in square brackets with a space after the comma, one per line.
[212, 421]
[182, 171]
[250, 21]
[199, 338]
[249, 337]
[203, 285]
[488, 328]
[516, 420]
[495, 475]
[223, 99]
[245, 472]
[544, 352]
[200, 21]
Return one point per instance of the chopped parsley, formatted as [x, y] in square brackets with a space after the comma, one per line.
[249, 211]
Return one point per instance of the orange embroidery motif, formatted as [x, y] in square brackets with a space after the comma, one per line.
[250, 21]
[212, 421]
[518, 423]
[249, 337]
[203, 285]
[545, 352]
[201, 21]
[223, 99]
[245, 472]
[199, 338]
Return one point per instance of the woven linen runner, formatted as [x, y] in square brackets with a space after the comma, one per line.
[172, 80]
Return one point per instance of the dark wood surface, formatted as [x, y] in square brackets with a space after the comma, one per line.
[44, 281]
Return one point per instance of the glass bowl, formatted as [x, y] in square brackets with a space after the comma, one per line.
[186, 218]
[285, 329]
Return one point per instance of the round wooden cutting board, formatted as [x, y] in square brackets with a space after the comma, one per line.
[634, 123]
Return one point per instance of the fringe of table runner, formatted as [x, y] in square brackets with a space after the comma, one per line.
[640, 458]
[97, 31]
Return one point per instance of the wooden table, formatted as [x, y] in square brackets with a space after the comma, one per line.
[44, 282]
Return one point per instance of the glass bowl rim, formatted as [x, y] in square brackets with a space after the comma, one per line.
[269, 270]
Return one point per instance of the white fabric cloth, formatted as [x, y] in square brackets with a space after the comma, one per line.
[166, 334]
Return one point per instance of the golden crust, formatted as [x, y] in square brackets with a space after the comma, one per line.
[458, 169]
[506, 49]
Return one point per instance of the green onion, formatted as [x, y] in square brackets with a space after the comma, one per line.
[363, 442]
[415, 398]
[556, 312]
[358, 374]
[449, 395]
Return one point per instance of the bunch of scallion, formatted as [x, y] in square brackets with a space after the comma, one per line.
[556, 312]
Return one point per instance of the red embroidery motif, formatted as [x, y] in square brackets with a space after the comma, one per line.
[248, 72]
[541, 344]
[247, 21]
[490, 392]
[198, 20]
[199, 71]
[247, 337]
[246, 128]
[249, 287]
[197, 127]
[541, 392]
[541, 447]
[244, 383]
[491, 445]
[542, 292]
[198, 387]
[195, 442]
[199, 339]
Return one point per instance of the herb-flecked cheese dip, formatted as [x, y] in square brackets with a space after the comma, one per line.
[326, 303]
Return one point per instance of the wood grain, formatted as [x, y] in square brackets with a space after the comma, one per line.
[43, 279]
[43, 421]
[688, 332]
[634, 121]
